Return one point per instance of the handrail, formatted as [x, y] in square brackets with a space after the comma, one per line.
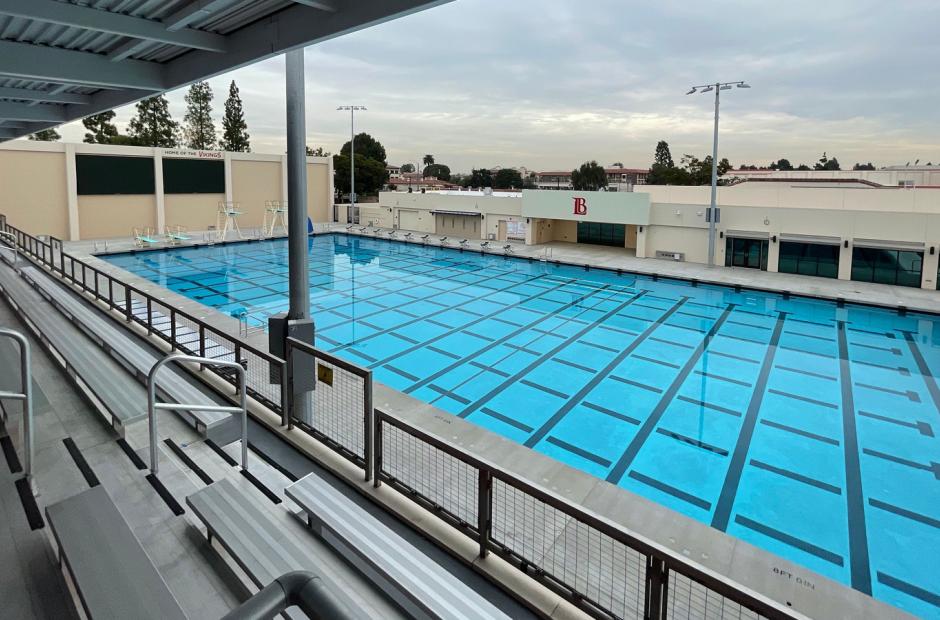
[153, 405]
[16, 254]
[26, 396]
[304, 589]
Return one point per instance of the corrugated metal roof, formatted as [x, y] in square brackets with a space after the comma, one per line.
[115, 52]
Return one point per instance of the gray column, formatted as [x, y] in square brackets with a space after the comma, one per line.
[297, 187]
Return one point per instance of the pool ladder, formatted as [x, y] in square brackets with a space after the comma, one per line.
[546, 255]
[245, 329]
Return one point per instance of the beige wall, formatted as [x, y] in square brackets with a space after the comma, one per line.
[254, 183]
[193, 211]
[319, 193]
[563, 230]
[104, 217]
[33, 193]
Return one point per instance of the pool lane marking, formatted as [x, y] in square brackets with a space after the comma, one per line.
[697, 443]
[642, 386]
[933, 467]
[910, 589]
[733, 357]
[610, 412]
[670, 490]
[547, 390]
[515, 333]
[708, 405]
[922, 427]
[633, 448]
[711, 375]
[807, 352]
[903, 512]
[506, 419]
[656, 361]
[793, 541]
[805, 399]
[819, 484]
[604, 373]
[808, 373]
[729, 488]
[799, 431]
[564, 362]
[855, 499]
[590, 456]
[901, 369]
[914, 397]
[924, 369]
[891, 350]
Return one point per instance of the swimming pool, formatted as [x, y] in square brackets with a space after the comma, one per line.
[805, 428]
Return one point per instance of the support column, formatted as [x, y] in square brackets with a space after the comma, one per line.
[297, 187]
[845, 261]
[71, 193]
[773, 252]
[158, 190]
[227, 162]
[929, 277]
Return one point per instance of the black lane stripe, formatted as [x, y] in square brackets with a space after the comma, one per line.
[799, 431]
[547, 356]
[271, 495]
[189, 462]
[400, 372]
[80, 462]
[605, 372]
[636, 384]
[222, 453]
[911, 396]
[558, 360]
[693, 442]
[708, 405]
[807, 373]
[590, 456]
[711, 375]
[729, 488]
[491, 369]
[900, 369]
[903, 512]
[505, 340]
[793, 541]
[807, 352]
[910, 589]
[656, 361]
[854, 497]
[681, 345]
[444, 392]
[671, 490]
[924, 369]
[819, 484]
[891, 350]
[165, 495]
[805, 399]
[133, 456]
[733, 357]
[506, 419]
[444, 353]
[610, 412]
[403, 337]
[801, 334]
[922, 427]
[547, 390]
[30, 507]
[896, 459]
[623, 463]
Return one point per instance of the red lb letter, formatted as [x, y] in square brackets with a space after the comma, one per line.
[580, 206]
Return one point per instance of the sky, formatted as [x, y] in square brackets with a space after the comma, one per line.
[549, 85]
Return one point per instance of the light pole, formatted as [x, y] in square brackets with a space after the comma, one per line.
[713, 213]
[352, 152]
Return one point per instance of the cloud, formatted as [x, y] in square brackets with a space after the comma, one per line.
[549, 85]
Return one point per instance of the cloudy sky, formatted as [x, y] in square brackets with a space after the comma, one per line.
[551, 84]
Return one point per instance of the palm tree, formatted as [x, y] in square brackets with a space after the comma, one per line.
[428, 160]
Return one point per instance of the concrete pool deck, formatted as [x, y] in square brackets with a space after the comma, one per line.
[779, 579]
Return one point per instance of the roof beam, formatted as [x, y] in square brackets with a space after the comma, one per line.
[24, 112]
[114, 23]
[194, 11]
[27, 94]
[47, 64]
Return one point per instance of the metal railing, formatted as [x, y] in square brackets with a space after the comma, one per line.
[153, 405]
[304, 589]
[340, 413]
[600, 566]
[26, 396]
[8, 235]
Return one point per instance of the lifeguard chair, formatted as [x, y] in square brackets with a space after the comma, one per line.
[275, 215]
[227, 219]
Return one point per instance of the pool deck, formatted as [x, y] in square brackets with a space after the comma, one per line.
[779, 579]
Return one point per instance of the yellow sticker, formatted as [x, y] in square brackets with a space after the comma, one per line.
[325, 374]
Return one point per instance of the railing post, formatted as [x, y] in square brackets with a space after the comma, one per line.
[149, 316]
[657, 583]
[127, 304]
[202, 344]
[377, 451]
[484, 509]
[368, 446]
[110, 292]
[172, 329]
[61, 259]
[285, 396]
[287, 417]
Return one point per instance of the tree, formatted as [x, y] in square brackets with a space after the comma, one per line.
[234, 128]
[479, 178]
[438, 171]
[199, 129]
[803, 167]
[783, 164]
[45, 135]
[589, 177]
[371, 174]
[428, 160]
[317, 152]
[507, 178]
[825, 163]
[663, 157]
[408, 168]
[868, 166]
[101, 129]
[366, 146]
[153, 125]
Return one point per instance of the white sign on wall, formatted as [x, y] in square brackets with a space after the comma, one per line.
[609, 207]
[193, 154]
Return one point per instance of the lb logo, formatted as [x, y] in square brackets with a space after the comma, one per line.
[580, 206]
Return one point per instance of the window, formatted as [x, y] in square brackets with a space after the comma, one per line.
[809, 259]
[602, 234]
[750, 253]
[900, 267]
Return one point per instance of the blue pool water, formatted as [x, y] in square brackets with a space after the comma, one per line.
[807, 429]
